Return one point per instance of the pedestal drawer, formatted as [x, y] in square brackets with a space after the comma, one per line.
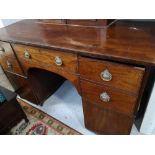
[8, 59]
[11, 65]
[106, 97]
[117, 75]
[6, 50]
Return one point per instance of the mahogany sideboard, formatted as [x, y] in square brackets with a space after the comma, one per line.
[111, 66]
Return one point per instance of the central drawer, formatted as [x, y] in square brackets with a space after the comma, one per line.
[40, 56]
[120, 76]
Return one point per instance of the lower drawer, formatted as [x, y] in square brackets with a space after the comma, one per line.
[109, 98]
[104, 121]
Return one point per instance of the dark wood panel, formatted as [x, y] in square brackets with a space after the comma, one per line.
[7, 111]
[123, 77]
[119, 101]
[23, 87]
[10, 112]
[10, 115]
[104, 121]
[44, 83]
[147, 88]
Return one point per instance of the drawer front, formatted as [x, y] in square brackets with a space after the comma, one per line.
[106, 97]
[11, 65]
[119, 76]
[6, 50]
[56, 59]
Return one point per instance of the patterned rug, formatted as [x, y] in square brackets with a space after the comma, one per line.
[40, 123]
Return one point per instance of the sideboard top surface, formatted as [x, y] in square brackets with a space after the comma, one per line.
[123, 40]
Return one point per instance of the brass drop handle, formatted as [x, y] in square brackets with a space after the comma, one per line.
[106, 75]
[105, 97]
[9, 64]
[58, 61]
[2, 49]
[27, 55]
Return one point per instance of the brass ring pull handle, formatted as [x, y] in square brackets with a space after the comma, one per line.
[2, 49]
[106, 75]
[58, 61]
[27, 54]
[9, 65]
[105, 97]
